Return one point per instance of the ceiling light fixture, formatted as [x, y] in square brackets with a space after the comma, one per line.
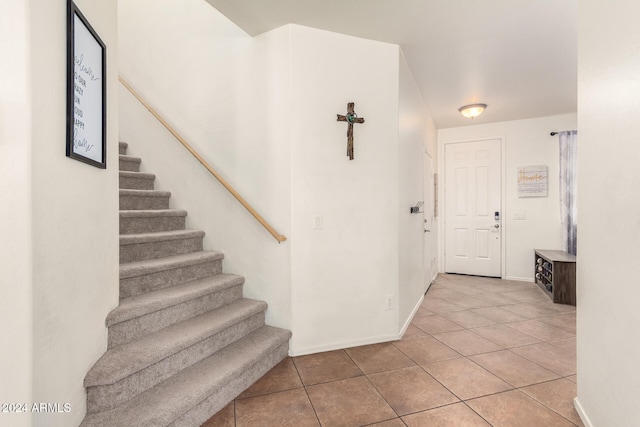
[473, 110]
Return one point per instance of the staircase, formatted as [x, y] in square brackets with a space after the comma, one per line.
[183, 342]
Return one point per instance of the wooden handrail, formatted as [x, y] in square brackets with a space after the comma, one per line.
[279, 237]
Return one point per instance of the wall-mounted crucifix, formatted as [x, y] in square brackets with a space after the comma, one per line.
[350, 118]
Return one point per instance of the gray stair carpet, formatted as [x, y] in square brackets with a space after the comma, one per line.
[183, 342]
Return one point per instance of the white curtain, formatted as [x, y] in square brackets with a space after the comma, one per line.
[568, 189]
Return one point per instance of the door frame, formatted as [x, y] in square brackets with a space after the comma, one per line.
[434, 224]
[442, 202]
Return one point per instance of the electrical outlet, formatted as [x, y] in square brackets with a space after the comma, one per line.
[317, 222]
[388, 302]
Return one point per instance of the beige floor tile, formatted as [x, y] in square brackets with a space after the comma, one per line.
[556, 359]
[466, 379]
[412, 332]
[496, 299]
[499, 314]
[468, 302]
[287, 408]
[339, 391]
[567, 344]
[425, 349]
[467, 342]
[283, 376]
[540, 330]
[411, 390]
[559, 308]
[566, 322]
[436, 323]
[530, 311]
[468, 290]
[557, 395]
[224, 418]
[530, 295]
[456, 415]
[422, 311]
[324, 367]
[505, 336]
[378, 358]
[437, 305]
[396, 422]
[467, 319]
[514, 369]
[444, 293]
[514, 408]
[352, 402]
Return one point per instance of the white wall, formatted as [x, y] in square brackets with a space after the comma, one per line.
[75, 218]
[342, 273]
[60, 224]
[16, 330]
[227, 94]
[263, 112]
[527, 143]
[609, 209]
[413, 118]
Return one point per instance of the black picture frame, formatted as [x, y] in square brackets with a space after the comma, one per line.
[86, 91]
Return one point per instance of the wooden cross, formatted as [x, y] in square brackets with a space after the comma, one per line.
[350, 118]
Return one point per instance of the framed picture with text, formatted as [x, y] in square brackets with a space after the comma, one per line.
[86, 91]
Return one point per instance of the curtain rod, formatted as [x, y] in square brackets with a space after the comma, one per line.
[554, 133]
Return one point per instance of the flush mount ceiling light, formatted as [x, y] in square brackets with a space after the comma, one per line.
[473, 110]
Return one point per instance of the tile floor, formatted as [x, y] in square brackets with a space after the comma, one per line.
[479, 352]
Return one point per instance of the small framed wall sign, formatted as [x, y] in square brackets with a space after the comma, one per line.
[533, 181]
[86, 91]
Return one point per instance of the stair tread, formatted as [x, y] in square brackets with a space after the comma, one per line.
[150, 302]
[159, 236]
[140, 175]
[172, 398]
[147, 266]
[132, 159]
[142, 213]
[127, 359]
[144, 193]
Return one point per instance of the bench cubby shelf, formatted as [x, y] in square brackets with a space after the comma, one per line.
[555, 273]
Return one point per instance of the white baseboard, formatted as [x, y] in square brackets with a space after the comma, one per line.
[583, 416]
[339, 345]
[411, 316]
[520, 279]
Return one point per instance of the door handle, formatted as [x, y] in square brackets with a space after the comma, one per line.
[497, 226]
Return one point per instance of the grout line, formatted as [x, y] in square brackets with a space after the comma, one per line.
[306, 392]
[474, 411]
[415, 363]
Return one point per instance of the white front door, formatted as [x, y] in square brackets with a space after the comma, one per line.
[473, 216]
[430, 244]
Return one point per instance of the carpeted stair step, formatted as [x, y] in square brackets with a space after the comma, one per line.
[128, 370]
[138, 247]
[144, 199]
[152, 221]
[153, 274]
[129, 163]
[152, 311]
[136, 180]
[191, 396]
[122, 147]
